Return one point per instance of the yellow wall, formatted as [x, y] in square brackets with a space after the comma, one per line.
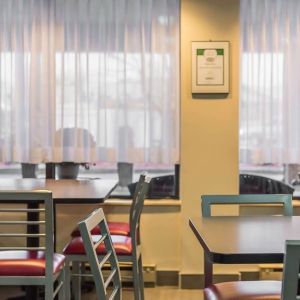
[209, 128]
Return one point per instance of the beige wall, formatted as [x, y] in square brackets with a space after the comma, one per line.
[209, 128]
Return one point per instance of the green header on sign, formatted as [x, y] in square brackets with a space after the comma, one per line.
[201, 51]
[220, 51]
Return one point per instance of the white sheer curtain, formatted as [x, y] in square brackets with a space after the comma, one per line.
[89, 80]
[270, 84]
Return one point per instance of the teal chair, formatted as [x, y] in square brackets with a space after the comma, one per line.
[258, 290]
[127, 248]
[285, 200]
[254, 290]
[92, 244]
[28, 259]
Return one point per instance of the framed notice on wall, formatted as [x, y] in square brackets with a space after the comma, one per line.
[210, 67]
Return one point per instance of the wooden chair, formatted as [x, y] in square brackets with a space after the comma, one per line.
[128, 248]
[117, 228]
[208, 200]
[258, 290]
[30, 265]
[92, 244]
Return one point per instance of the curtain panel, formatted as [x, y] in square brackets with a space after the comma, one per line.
[89, 81]
[270, 84]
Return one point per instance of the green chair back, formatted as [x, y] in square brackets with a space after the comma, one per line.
[291, 274]
[91, 243]
[285, 200]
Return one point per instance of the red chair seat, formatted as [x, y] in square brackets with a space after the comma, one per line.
[115, 228]
[122, 245]
[27, 263]
[244, 290]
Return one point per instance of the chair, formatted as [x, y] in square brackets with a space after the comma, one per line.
[208, 200]
[91, 244]
[253, 290]
[258, 290]
[30, 265]
[255, 184]
[117, 228]
[128, 248]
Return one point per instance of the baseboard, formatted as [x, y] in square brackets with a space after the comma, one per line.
[196, 281]
[249, 275]
[167, 277]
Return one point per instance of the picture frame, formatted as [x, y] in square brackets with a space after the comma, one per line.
[210, 67]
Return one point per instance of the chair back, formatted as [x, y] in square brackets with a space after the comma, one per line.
[41, 233]
[291, 273]
[208, 200]
[137, 208]
[136, 190]
[91, 243]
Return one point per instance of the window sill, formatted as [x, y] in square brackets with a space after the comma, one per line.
[156, 202]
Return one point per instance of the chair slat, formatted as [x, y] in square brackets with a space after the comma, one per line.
[105, 259]
[37, 235]
[22, 222]
[57, 289]
[110, 277]
[101, 239]
[114, 293]
[22, 210]
[22, 248]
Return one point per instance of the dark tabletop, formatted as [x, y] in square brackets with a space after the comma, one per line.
[65, 190]
[254, 239]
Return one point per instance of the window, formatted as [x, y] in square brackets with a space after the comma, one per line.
[270, 103]
[89, 81]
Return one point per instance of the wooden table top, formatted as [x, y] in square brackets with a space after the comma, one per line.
[254, 239]
[65, 190]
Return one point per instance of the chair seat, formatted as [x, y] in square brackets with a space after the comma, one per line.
[122, 245]
[115, 228]
[27, 263]
[244, 290]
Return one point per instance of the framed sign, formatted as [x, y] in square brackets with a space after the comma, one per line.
[210, 67]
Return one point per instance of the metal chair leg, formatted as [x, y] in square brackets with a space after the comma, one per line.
[62, 291]
[76, 280]
[141, 278]
[136, 279]
[67, 283]
[49, 290]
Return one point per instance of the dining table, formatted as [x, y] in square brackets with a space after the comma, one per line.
[64, 191]
[243, 239]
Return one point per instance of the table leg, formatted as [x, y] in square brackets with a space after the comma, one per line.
[208, 271]
[50, 170]
[33, 216]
